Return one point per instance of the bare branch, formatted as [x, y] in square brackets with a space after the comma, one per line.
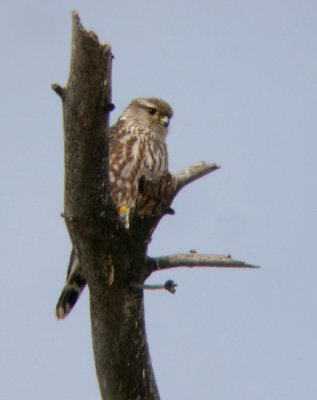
[169, 285]
[195, 260]
[193, 173]
[58, 89]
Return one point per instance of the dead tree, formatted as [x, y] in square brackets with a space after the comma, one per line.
[115, 260]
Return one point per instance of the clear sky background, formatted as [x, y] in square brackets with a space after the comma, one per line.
[241, 77]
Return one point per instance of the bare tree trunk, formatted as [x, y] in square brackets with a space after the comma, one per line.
[115, 261]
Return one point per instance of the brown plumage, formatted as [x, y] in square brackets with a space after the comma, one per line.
[137, 147]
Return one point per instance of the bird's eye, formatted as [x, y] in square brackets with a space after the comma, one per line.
[151, 110]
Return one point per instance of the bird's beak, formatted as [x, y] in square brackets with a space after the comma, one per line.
[164, 121]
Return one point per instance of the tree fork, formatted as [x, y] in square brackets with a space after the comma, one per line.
[115, 261]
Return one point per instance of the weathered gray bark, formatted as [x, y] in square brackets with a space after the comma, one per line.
[115, 262]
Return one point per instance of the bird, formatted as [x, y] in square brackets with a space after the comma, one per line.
[137, 148]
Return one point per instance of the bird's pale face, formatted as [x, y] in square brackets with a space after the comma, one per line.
[151, 113]
[157, 117]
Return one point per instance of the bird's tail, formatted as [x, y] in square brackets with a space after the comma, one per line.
[75, 284]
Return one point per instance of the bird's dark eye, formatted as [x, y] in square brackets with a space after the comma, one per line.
[151, 110]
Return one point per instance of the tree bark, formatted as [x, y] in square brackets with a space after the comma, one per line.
[114, 260]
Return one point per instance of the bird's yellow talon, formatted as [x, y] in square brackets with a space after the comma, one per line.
[122, 209]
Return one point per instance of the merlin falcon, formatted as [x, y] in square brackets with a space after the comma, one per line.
[137, 146]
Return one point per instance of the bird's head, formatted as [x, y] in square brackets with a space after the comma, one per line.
[150, 113]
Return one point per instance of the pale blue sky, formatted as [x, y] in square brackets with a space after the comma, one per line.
[241, 77]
